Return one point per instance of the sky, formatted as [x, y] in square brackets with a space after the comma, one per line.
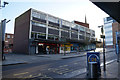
[65, 9]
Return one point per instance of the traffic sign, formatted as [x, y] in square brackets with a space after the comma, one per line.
[102, 36]
[93, 57]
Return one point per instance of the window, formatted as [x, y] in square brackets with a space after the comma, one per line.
[42, 21]
[38, 24]
[53, 19]
[32, 35]
[82, 29]
[39, 15]
[53, 31]
[66, 23]
[41, 36]
[8, 36]
[53, 37]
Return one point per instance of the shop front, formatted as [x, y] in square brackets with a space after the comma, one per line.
[47, 48]
[74, 47]
[65, 48]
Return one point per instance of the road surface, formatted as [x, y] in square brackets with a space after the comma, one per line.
[63, 68]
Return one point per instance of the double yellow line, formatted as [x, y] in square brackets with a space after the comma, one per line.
[21, 73]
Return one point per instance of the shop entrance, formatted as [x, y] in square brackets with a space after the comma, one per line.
[44, 48]
[40, 48]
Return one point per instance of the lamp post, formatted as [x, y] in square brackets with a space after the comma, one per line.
[2, 30]
[4, 4]
[102, 36]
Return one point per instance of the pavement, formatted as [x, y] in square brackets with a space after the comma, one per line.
[13, 59]
[112, 72]
[112, 69]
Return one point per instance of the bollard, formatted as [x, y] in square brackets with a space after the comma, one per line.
[93, 70]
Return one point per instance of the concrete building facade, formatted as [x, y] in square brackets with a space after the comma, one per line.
[38, 32]
[110, 26]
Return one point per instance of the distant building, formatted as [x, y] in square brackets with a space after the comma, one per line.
[37, 32]
[81, 23]
[110, 26]
[8, 44]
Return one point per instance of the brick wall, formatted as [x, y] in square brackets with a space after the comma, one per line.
[21, 33]
[115, 27]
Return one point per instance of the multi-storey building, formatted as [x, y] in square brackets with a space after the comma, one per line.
[8, 44]
[38, 32]
[110, 26]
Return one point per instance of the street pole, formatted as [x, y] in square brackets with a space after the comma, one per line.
[117, 47]
[2, 29]
[64, 50]
[104, 56]
[3, 26]
[104, 61]
[0, 41]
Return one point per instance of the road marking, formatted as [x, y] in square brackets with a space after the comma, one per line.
[20, 73]
[49, 68]
[65, 65]
[67, 71]
[30, 76]
[59, 73]
[75, 73]
[108, 62]
[39, 74]
[61, 66]
[75, 63]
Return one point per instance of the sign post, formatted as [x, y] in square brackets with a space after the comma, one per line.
[117, 47]
[102, 36]
[0, 42]
[93, 57]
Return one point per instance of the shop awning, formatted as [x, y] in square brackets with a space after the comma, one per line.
[48, 41]
[82, 42]
[77, 41]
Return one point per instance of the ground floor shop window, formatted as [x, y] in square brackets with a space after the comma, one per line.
[74, 48]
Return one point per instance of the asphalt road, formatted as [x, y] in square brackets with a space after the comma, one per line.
[64, 68]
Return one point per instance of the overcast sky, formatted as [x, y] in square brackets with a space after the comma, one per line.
[66, 9]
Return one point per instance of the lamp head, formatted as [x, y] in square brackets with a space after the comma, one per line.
[5, 3]
[100, 26]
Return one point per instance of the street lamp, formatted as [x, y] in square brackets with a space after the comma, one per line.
[4, 4]
[2, 37]
[103, 36]
[2, 30]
